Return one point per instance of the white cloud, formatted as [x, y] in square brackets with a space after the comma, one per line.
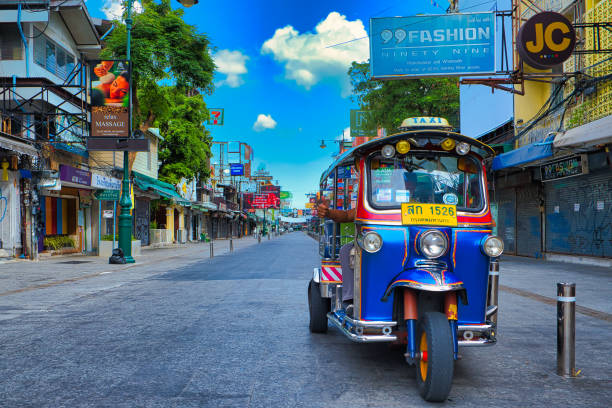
[113, 9]
[306, 58]
[232, 64]
[264, 122]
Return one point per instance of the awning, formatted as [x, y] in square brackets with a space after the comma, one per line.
[19, 147]
[525, 154]
[163, 189]
[208, 205]
[592, 134]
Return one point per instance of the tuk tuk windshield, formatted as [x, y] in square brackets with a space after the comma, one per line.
[439, 178]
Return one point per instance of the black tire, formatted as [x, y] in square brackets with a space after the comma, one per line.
[436, 384]
[318, 308]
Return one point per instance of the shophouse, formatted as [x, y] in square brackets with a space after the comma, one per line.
[554, 190]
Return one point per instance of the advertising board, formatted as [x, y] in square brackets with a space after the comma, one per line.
[110, 98]
[236, 169]
[432, 45]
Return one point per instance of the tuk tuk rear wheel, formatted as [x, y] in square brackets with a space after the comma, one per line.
[434, 373]
[318, 307]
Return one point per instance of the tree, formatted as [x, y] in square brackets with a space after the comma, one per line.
[166, 50]
[388, 103]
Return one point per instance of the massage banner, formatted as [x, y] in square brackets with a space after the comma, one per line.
[110, 98]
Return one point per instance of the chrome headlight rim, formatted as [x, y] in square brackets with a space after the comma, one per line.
[387, 151]
[362, 242]
[427, 233]
[462, 148]
[485, 247]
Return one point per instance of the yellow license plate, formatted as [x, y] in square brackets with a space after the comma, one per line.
[429, 214]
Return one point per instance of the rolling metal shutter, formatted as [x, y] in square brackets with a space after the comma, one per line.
[506, 218]
[528, 221]
[579, 215]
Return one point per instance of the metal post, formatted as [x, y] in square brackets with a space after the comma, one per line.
[125, 218]
[566, 329]
[231, 245]
[259, 238]
[212, 251]
[492, 300]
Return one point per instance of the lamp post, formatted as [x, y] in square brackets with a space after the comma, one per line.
[125, 217]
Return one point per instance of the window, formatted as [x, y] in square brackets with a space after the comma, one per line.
[11, 45]
[51, 56]
[422, 178]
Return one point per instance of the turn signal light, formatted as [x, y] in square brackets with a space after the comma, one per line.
[402, 147]
[448, 144]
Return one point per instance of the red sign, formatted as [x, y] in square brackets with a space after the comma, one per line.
[260, 201]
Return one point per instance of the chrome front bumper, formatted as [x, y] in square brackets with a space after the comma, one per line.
[361, 331]
[476, 335]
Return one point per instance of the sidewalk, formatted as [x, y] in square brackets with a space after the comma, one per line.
[19, 275]
[537, 279]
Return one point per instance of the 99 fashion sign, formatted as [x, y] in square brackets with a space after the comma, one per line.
[110, 98]
[546, 39]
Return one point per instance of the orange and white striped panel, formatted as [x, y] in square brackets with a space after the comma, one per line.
[331, 273]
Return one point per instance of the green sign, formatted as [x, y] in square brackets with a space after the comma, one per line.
[285, 195]
[107, 195]
[358, 123]
[573, 166]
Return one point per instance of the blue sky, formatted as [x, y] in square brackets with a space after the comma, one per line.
[283, 89]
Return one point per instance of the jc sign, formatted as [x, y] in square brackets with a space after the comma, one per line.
[546, 39]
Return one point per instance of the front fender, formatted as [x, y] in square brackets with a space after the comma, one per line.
[432, 280]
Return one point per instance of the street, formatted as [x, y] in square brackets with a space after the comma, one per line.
[232, 331]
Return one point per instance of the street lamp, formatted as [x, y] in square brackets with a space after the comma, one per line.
[188, 3]
[125, 218]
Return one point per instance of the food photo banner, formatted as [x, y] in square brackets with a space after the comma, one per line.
[432, 45]
[110, 98]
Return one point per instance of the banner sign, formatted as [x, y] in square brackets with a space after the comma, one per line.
[573, 166]
[74, 175]
[216, 116]
[286, 195]
[236, 169]
[433, 45]
[261, 201]
[110, 98]
[545, 40]
[105, 182]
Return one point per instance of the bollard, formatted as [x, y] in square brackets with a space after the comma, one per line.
[212, 251]
[268, 234]
[492, 300]
[231, 245]
[259, 238]
[566, 329]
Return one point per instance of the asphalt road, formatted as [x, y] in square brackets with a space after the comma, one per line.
[232, 331]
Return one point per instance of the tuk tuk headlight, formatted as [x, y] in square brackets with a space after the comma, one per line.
[370, 242]
[433, 244]
[493, 246]
[462, 148]
[388, 151]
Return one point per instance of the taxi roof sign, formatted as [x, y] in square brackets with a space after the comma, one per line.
[425, 122]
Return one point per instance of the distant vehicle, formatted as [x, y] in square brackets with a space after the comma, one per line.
[424, 258]
[290, 229]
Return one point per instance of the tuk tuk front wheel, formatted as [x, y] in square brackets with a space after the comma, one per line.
[434, 372]
[318, 307]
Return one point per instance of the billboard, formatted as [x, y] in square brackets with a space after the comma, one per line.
[253, 201]
[358, 119]
[216, 116]
[272, 189]
[432, 45]
[110, 98]
[236, 169]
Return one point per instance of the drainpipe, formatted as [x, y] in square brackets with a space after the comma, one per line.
[25, 41]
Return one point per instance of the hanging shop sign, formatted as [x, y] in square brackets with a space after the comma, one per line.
[105, 182]
[216, 116]
[358, 120]
[108, 214]
[74, 175]
[560, 169]
[546, 39]
[432, 45]
[236, 169]
[286, 195]
[107, 195]
[110, 98]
